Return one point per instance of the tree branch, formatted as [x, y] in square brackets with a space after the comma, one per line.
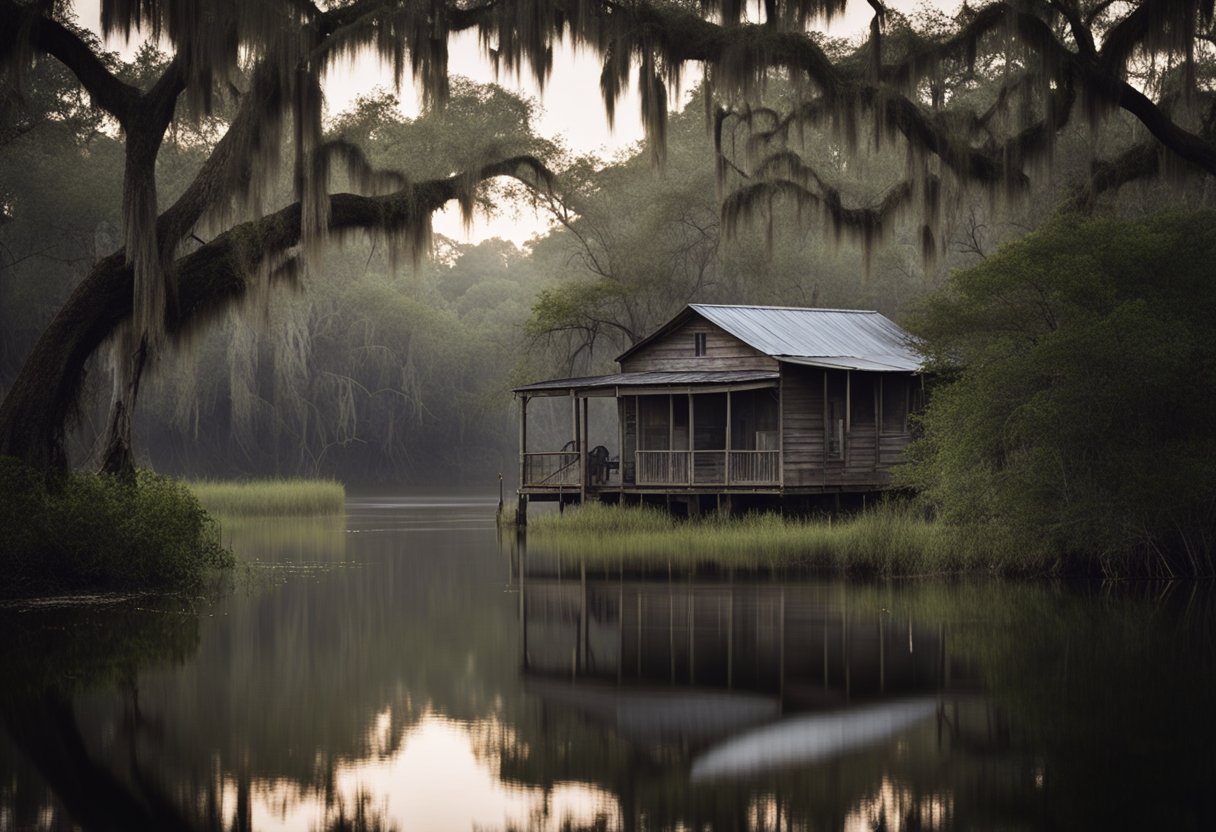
[52, 38]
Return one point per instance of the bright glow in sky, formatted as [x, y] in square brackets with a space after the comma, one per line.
[571, 102]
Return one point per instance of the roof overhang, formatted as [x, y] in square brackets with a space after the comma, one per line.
[868, 363]
[652, 383]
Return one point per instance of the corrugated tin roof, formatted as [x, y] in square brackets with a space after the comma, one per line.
[843, 339]
[650, 379]
[849, 339]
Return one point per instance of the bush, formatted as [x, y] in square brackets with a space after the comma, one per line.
[1077, 418]
[94, 531]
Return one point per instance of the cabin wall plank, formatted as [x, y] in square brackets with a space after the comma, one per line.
[675, 352]
[870, 452]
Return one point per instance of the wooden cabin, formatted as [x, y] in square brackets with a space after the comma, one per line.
[724, 401]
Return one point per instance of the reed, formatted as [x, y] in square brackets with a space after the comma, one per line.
[270, 497]
[892, 538]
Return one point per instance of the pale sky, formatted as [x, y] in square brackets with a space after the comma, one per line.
[571, 104]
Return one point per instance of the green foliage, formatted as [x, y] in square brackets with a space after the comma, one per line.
[1076, 413]
[281, 497]
[892, 538]
[93, 531]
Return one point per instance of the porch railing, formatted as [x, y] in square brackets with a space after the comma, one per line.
[557, 468]
[662, 467]
[708, 467]
[754, 467]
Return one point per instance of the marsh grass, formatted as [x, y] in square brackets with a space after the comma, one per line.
[892, 538]
[270, 498]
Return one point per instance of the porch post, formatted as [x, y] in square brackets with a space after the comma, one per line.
[692, 443]
[671, 437]
[729, 406]
[582, 455]
[523, 440]
[877, 421]
[574, 418]
[620, 437]
[781, 427]
[848, 413]
[829, 430]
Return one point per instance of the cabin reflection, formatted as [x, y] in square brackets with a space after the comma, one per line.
[799, 643]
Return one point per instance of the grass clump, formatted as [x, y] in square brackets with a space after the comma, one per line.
[892, 538]
[94, 531]
[271, 497]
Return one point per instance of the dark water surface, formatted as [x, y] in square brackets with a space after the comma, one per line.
[406, 669]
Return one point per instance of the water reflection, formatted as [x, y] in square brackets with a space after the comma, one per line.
[400, 671]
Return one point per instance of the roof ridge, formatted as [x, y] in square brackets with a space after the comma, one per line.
[787, 308]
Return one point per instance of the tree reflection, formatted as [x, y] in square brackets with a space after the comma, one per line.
[345, 690]
[58, 656]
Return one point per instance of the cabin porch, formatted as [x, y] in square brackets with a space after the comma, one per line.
[712, 433]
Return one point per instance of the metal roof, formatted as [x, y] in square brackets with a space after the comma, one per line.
[650, 379]
[845, 339]
[850, 339]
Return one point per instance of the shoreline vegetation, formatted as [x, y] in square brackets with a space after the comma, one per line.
[102, 532]
[92, 531]
[270, 497]
[893, 538]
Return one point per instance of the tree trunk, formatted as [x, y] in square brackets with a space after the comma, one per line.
[35, 414]
[119, 459]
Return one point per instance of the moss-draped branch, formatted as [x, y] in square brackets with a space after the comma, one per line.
[211, 278]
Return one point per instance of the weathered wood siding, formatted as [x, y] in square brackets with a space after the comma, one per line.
[802, 425]
[868, 451]
[675, 351]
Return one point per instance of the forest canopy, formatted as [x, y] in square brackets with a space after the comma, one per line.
[931, 135]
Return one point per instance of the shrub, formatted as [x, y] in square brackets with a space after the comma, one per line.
[99, 532]
[1075, 413]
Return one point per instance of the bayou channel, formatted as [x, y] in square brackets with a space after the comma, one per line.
[410, 667]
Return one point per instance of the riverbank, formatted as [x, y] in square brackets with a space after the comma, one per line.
[892, 538]
[270, 497]
[98, 532]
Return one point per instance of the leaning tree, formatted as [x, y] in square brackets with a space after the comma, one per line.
[1027, 66]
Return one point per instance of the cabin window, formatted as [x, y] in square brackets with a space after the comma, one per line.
[698, 341]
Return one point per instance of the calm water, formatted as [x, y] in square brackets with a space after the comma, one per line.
[407, 670]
